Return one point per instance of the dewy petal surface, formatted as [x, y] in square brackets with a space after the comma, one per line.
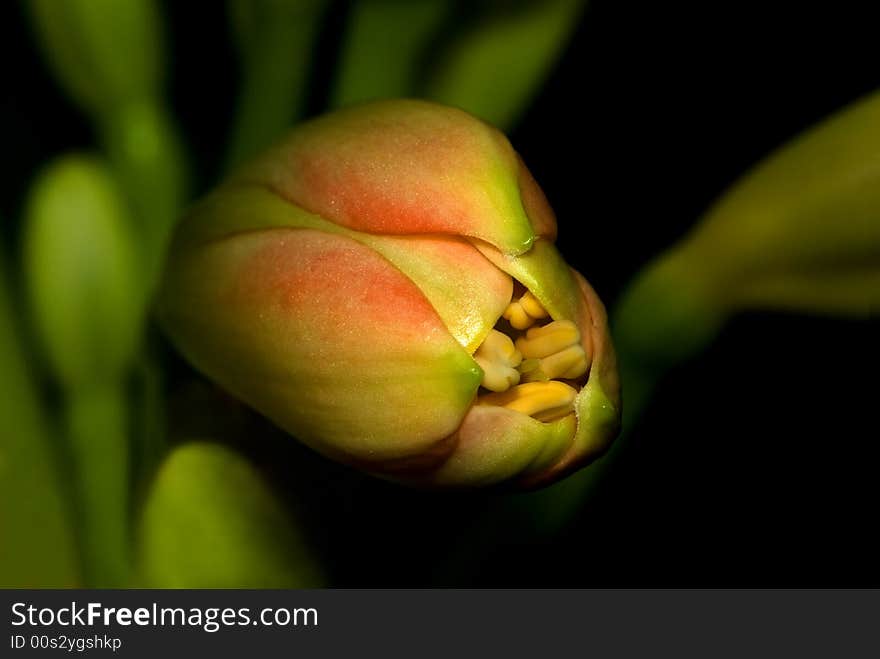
[407, 167]
[299, 323]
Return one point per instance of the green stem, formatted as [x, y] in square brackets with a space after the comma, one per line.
[385, 47]
[148, 158]
[96, 424]
[276, 61]
[149, 416]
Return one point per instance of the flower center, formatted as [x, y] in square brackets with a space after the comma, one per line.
[526, 356]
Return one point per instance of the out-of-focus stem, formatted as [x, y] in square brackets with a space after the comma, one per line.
[494, 66]
[385, 46]
[148, 158]
[149, 420]
[96, 421]
[37, 548]
[277, 39]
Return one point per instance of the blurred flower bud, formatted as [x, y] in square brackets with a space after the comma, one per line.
[800, 232]
[81, 272]
[106, 53]
[210, 521]
[383, 284]
[108, 56]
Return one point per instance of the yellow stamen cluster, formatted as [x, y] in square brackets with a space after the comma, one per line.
[554, 351]
[522, 313]
[545, 401]
[540, 356]
[498, 358]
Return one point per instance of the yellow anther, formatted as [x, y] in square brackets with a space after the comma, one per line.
[545, 401]
[498, 358]
[524, 312]
[517, 316]
[531, 306]
[540, 342]
[568, 364]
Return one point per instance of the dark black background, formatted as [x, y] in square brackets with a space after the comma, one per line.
[755, 465]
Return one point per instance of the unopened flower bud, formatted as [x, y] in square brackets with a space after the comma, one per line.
[353, 283]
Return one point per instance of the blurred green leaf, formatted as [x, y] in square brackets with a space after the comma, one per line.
[96, 422]
[385, 46]
[210, 521]
[37, 548]
[494, 67]
[276, 40]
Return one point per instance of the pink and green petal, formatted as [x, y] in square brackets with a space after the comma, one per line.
[466, 289]
[234, 209]
[544, 272]
[405, 167]
[468, 292]
[323, 336]
[598, 404]
[495, 444]
[535, 203]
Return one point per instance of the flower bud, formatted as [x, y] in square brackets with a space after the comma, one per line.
[351, 284]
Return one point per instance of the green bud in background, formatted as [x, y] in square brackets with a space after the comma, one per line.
[80, 270]
[210, 521]
[105, 53]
